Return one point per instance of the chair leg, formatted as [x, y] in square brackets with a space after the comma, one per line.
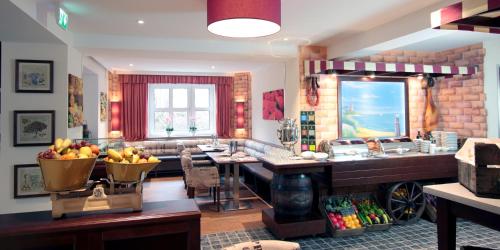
[190, 192]
[215, 194]
[218, 198]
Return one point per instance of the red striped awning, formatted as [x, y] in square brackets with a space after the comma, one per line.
[469, 15]
[383, 69]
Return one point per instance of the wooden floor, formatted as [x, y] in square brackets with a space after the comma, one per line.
[161, 189]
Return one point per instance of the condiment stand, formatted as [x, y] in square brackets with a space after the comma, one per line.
[105, 194]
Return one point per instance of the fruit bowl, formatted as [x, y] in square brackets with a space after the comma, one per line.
[66, 175]
[128, 172]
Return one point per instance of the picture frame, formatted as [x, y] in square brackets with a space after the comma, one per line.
[34, 128]
[75, 101]
[273, 105]
[363, 107]
[34, 76]
[28, 181]
[103, 107]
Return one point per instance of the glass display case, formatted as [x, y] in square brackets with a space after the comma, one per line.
[105, 143]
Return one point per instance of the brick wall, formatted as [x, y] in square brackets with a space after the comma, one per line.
[242, 92]
[114, 95]
[460, 99]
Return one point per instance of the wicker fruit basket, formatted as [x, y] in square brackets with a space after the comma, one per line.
[128, 172]
[66, 175]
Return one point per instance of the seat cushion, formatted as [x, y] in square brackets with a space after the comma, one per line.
[258, 170]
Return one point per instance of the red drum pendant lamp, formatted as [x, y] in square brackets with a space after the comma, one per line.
[244, 18]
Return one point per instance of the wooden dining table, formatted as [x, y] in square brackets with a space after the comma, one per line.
[223, 159]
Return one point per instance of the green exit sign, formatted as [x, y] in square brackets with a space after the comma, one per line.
[63, 19]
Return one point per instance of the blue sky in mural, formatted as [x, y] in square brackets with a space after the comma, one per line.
[372, 109]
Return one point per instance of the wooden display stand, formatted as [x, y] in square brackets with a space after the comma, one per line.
[98, 197]
[284, 228]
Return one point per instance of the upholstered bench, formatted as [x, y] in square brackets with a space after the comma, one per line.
[258, 179]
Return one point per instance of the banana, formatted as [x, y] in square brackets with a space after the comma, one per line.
[135, 159]
[128, 152]
[65, 144]
[58, 143]
[113, 154]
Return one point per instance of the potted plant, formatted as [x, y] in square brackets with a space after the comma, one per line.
[192, 127]
[169, 127]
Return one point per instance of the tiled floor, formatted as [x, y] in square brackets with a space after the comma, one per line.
[421, 235]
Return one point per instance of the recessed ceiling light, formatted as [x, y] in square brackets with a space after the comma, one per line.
[285, 39]
[131, 65]
[140, 21]
[212, 67]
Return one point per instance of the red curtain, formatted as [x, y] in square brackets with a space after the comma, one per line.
[135, 101]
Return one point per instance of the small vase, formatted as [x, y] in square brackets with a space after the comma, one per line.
[169, 133]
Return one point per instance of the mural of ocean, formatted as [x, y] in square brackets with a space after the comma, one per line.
[380, 122]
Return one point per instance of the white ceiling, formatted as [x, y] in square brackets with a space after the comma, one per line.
[176, 29]
[174, 37]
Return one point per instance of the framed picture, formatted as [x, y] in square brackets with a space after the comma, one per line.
[372, 107]
[34, 76]
[75, 101]
[28, 181]
[273, 106]
[103, 107]
[34, 128]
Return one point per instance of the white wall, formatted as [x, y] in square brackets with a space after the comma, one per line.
[9, 155]
[491, 86]
[102, 86]
[272, 77]
[91, 101]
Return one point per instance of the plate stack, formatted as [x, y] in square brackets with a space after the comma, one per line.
[449, 140]
[424, 146]
[437, 137]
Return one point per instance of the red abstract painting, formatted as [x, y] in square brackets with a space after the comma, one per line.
[273, 107]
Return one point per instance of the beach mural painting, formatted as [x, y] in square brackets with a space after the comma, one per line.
[373, 108]
[273, 107]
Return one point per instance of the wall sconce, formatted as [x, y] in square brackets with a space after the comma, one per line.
[115, 117]
[240, 114]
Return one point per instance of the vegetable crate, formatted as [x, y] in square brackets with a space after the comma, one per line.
[342, 217]
[370, 211]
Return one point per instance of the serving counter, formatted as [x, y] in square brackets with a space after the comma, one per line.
[346, 173]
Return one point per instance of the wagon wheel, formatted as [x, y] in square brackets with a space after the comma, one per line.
[405, 202]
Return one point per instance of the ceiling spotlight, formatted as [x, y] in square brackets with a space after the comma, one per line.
[131, 65]
[285, 39]
[212, 67]
[140, 21]
[420, 77]
[372, 75]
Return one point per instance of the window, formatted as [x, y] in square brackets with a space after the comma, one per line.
[372, 108]
[181, 106]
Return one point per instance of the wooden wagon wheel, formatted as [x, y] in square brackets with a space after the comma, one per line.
[405, 202]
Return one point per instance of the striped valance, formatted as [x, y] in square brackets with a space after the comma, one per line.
[470, 15]
[382, 69]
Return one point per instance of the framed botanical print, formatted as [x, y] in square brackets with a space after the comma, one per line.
[28, 181]
[75, 101]
[34, 127]
[34, 76]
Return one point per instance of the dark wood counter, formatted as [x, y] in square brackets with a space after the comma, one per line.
[392, 169]
[161, 225]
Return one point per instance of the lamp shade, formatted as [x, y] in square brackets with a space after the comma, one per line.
[115, 116]
[244, 18]
[240, 115]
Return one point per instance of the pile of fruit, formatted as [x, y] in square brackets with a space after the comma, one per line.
[342, 214]
[371, 214]
[66, 150]
[130, 155]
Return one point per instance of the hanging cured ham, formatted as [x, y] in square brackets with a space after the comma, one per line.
[431, 112]
[312, 91]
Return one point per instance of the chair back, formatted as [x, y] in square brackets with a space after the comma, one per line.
[186, 163]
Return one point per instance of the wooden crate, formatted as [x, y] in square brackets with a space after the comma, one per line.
[480, 179]
[331, 230]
